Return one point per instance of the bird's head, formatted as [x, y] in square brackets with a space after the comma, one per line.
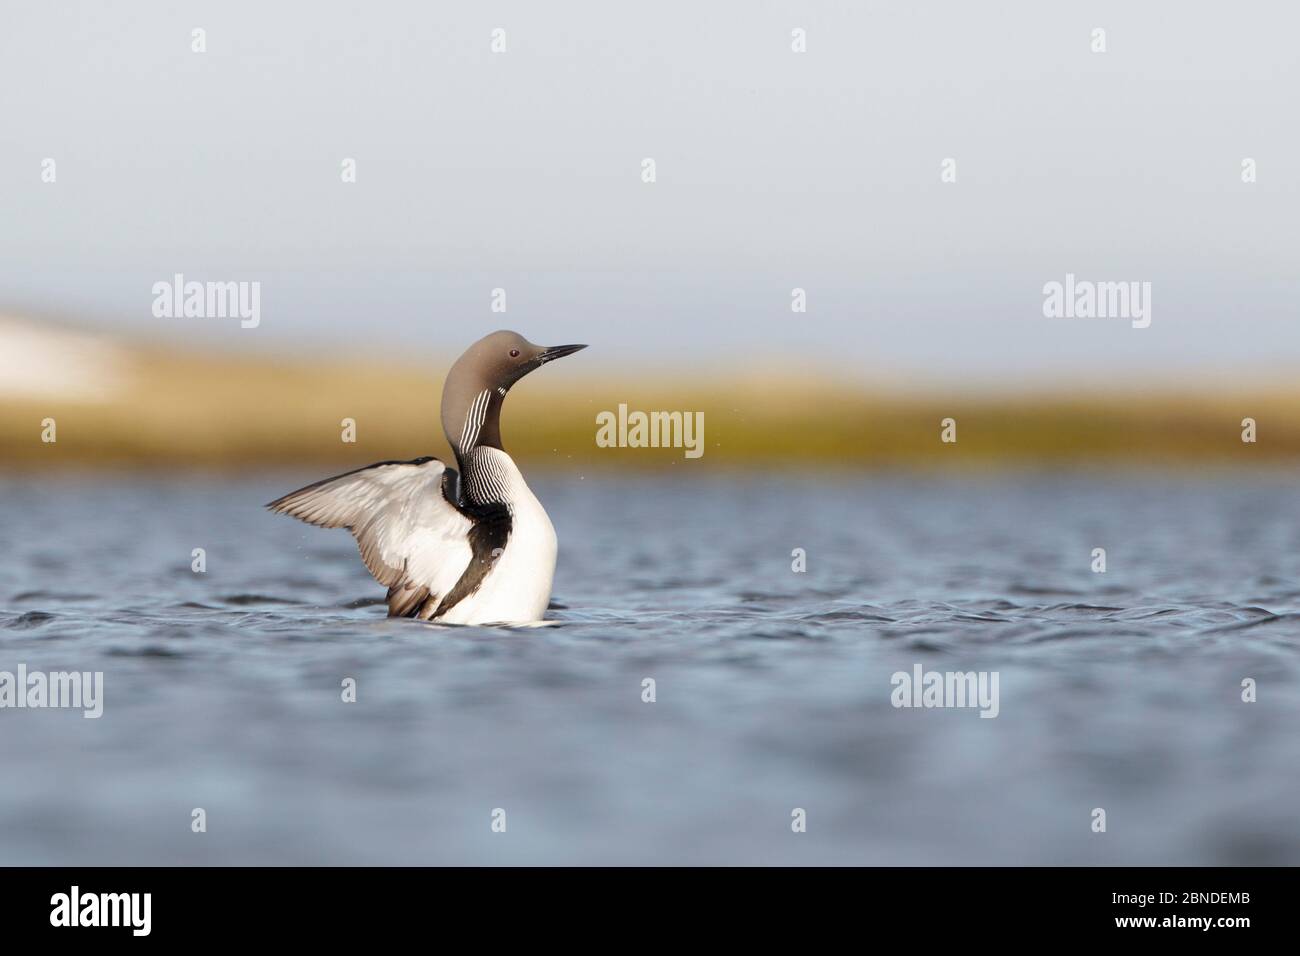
[478, 382]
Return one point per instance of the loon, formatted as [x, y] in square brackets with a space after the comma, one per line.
[470, 548]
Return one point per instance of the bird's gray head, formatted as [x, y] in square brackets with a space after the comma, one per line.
[477, 385]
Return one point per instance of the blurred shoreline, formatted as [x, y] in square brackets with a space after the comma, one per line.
[122, 405]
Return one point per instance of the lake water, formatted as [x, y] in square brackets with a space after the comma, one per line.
[222, 690]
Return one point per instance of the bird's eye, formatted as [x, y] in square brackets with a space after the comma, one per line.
[514, 353]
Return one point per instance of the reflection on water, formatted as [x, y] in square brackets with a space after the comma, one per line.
[1119, 690]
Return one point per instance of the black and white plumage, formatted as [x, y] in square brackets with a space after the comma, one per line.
[473, 548]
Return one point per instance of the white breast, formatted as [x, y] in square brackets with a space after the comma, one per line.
[518, 589]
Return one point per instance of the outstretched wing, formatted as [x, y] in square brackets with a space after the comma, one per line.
[411, 537]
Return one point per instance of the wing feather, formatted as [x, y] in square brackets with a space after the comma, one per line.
[411, 538]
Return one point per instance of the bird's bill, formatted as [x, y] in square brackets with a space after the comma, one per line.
[558, 351]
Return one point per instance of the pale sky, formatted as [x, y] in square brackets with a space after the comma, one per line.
[775, 170]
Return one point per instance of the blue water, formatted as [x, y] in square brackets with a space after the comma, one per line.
[1118, 690]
